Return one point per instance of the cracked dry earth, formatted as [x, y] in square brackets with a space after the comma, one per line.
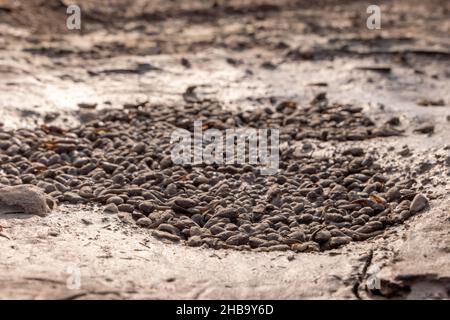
[364, 135]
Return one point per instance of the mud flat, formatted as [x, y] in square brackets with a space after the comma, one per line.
[358, 208]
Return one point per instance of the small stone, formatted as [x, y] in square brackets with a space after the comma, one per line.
[73, 197]
[50, 188]
[394, 121]
[310, 169]
[419, 203]
[195, 231]
[426, 129]
[297, 235]
[336, 242]
[86, 169]
[137, 215]
[185, 63]
[215, 229]
[239, 239]
[169, 228]
[198, 219]
[447, 161]
[255, 242]
[305, 218]
[322, 236]
[405, 152]
[166, 163]
[299, 208]
[116, 200]
[86, 192]
[405, 214]
[56, 158]
[53, 233]
[134, 192]
[355, 152]
[226, 235]
[144, 222]
[393, 194]
[111, 209]
[333, 217]
[279, 247]
[194, 241]
[161, 217]
[227, 213]
[146, 207]
[274, 237]
[184, 203]
[87, 105]
[119, 179]
[370, 227]
[126, 208]
[305, 247]
[139, 148]
[109, 167]
[162, 235]
[86, 221]
[125, 217]
[171, 189]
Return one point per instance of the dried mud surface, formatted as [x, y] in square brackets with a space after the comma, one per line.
[242, 57]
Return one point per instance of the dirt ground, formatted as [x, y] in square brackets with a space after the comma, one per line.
[244, 54]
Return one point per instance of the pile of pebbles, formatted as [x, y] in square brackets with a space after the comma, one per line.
[122, 161]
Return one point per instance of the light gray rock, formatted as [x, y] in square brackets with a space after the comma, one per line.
[26, 199]
[419, 203]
